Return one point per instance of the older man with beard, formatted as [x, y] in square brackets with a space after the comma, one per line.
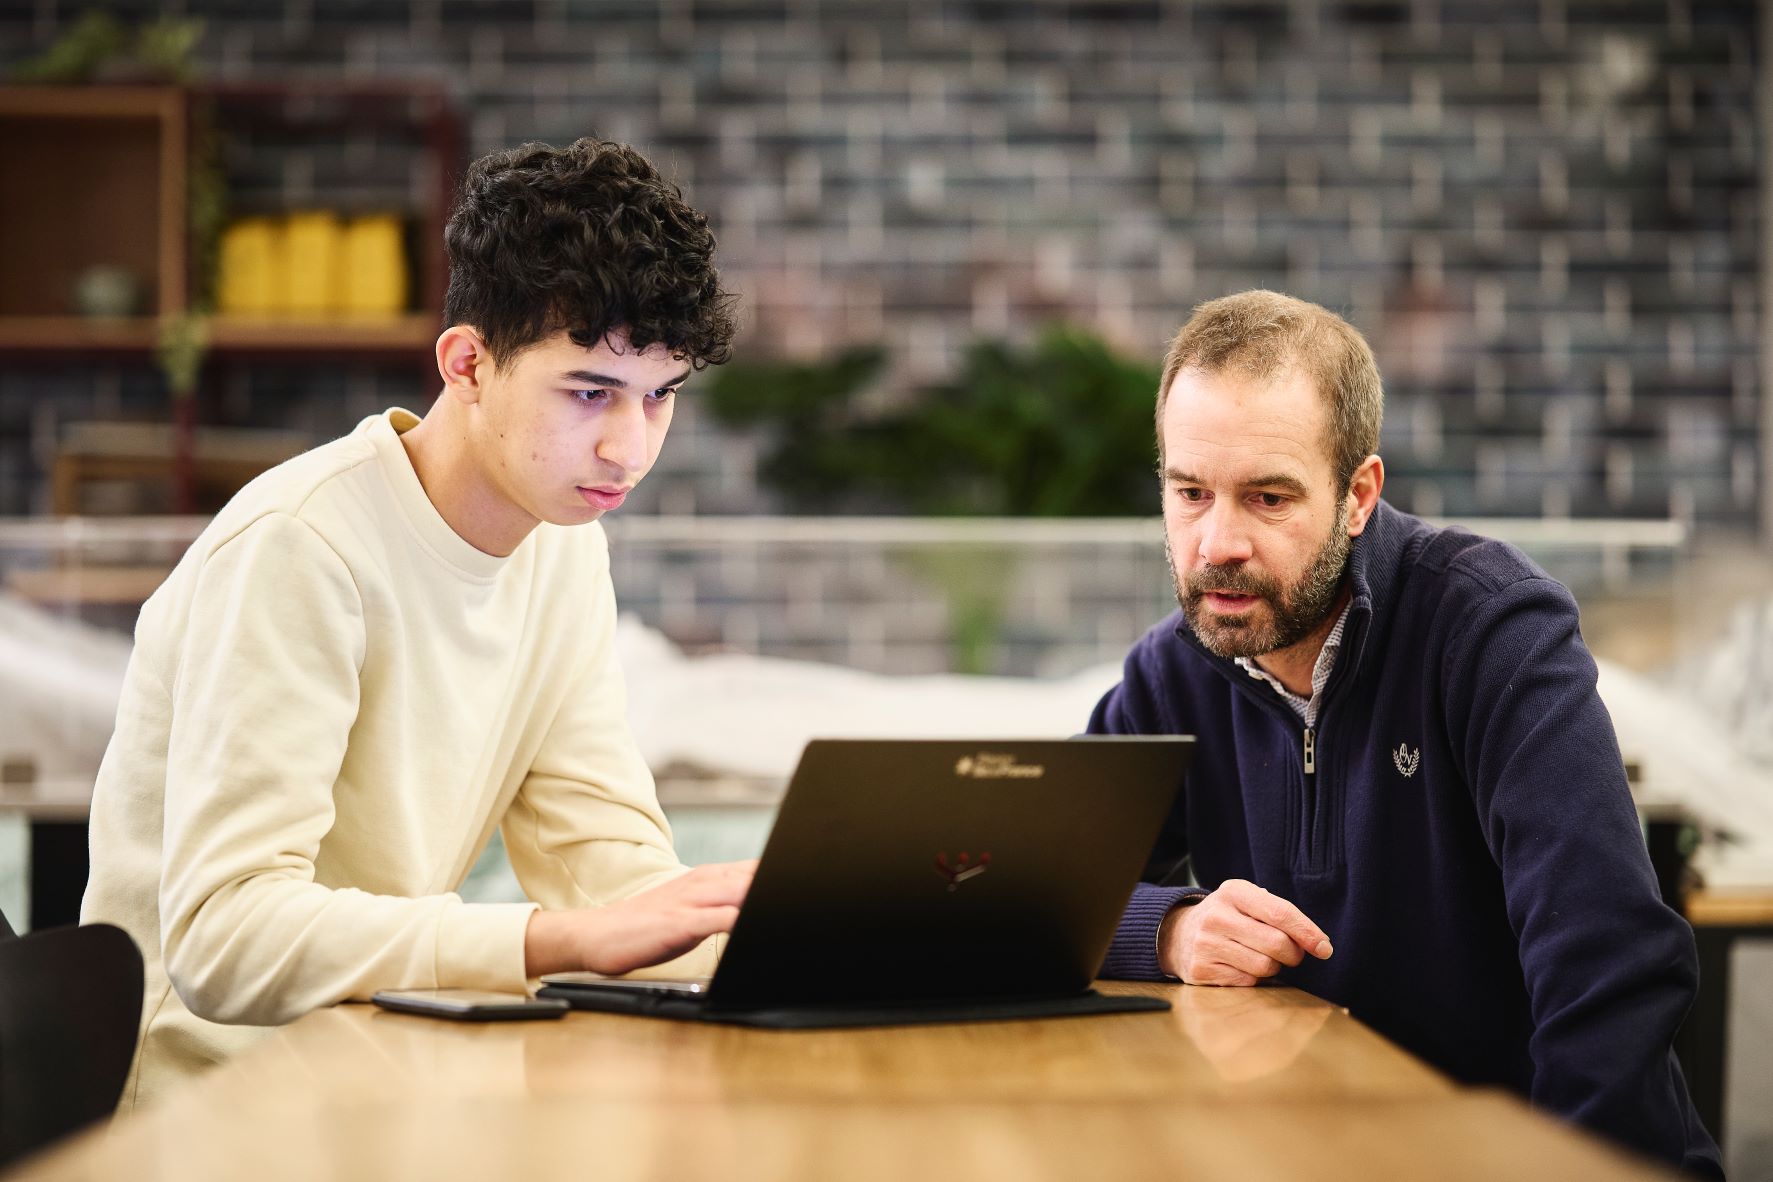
[1402, 753]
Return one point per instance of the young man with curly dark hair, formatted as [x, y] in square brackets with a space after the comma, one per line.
[380, 650]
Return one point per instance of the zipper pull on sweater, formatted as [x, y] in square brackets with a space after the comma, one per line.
[1310, 751]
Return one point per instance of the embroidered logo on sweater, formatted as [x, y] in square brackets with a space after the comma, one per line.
[1406, 759]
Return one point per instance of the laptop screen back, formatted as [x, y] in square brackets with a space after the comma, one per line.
[900, 870]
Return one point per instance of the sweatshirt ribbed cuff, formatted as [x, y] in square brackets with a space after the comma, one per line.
[1132, 955]
[480, 946]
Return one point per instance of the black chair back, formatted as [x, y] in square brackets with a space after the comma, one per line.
[70, 1007]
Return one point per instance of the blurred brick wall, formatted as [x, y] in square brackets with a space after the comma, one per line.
[1544, 213]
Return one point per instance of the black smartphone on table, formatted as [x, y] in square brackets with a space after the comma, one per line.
[470, 1005]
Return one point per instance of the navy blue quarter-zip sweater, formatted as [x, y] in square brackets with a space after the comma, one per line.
[1458, 824]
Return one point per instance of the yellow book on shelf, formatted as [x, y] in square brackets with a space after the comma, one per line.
[312, 249]
[246, 267]
[372, 277]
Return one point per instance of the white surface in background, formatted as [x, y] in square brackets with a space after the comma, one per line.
[59, 682]
[750, 716]
[1687, 758]
[747, 716]
[1732, 680]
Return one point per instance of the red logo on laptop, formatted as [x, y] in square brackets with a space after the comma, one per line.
[962, 868]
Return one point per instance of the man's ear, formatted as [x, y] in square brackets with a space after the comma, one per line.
[462, 360]
[1363, 493]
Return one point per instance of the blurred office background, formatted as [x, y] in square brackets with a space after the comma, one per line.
[1544, 212]
[963, 232]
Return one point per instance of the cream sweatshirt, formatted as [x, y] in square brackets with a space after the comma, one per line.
[332, 701]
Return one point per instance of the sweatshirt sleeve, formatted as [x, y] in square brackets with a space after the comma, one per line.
[1135, 707]
[586, 827]
[1610, 969]
[264, 698]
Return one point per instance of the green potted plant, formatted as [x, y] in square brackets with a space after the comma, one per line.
[1060, 427]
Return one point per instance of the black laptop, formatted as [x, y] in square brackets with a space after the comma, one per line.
[912, 881]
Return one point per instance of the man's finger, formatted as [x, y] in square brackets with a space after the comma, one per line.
[1270, 941]
[1241, 957]
[1217, 974]
[1276, 912]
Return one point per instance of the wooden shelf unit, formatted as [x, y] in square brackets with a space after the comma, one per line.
[413, 332]
[95, 175]
[80, 159]
[79, 334]
[410, 333]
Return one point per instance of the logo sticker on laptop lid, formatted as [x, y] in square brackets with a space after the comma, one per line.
[994, 765]
[962, 868]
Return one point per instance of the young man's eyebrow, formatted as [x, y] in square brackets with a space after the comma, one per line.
[588, 378]
[1275, 480]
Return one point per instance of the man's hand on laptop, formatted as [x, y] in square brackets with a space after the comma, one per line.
[657, 924]
[1237, 935]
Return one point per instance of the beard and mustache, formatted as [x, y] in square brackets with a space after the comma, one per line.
[1293, 611]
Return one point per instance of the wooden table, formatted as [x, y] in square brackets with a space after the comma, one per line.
[1725, 907]
[1233, 1083]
